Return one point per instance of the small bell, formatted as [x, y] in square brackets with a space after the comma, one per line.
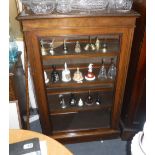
[97, 44]
[90, 75]
[78, 76]
[46, 78]
[93, 48]
[77, 47]
[66, 77]
[98, 101]
[43, 50]
[112, 70]
[65, 48]
[86, 48]
[89, 100]
[54, 74]
[72, 100]
[51, 48]
[104, 50]
[62, 102]
[102, 73]
[80, 103]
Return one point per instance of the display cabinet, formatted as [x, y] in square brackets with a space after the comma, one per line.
[79, 63]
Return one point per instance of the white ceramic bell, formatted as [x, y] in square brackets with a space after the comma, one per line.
[80, 103]
[66, 77]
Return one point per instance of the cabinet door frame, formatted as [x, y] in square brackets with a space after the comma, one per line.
[33, 47]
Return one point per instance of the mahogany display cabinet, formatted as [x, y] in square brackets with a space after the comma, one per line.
[62, 31]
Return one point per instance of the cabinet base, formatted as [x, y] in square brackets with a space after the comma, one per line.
[83, 136]
[126, 132]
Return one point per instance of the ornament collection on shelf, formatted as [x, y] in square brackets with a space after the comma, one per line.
[78, 76]
[75, 102]
[97, 46]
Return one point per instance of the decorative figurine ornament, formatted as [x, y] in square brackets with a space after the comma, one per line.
[43, 50]
[54, 75]
[72, 100]
[102, 73]
[62, 102]
[78, 76]
[65, 47]
[77, 47]
[46, 78]
[80, 103]
[90, 75]
[89, 99]
[66, 77]
[52, 47]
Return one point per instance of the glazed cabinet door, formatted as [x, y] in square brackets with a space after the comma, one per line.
[75, 101]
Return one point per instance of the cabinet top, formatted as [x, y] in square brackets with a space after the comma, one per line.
[105, 13]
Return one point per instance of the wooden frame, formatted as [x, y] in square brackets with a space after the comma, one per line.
[74, 25]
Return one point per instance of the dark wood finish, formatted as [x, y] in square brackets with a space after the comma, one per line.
[121, 26]
[134, 104]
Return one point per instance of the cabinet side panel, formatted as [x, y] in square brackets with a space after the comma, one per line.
[122, 73]
[37, 73]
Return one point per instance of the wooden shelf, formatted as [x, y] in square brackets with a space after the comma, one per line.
[79, 109]
[97, 83]
[106, 98]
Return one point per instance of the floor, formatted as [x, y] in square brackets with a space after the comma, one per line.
[105, 147]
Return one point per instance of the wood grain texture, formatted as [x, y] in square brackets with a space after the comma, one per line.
[53, 147]
[37, 28]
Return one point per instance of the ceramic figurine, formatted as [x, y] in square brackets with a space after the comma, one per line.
[43, 50]
[104, 50]
[54, 75]
[77, 47]
[102, 73]
[89, 100]
[80, 103]
[78, 76]
[65, 48]
[72, 100]
[62, 102]
[46, 78]
[52, 47]
[98, 101]
[97, 44]
[66, 77]
[90, 75]
[112, 70]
